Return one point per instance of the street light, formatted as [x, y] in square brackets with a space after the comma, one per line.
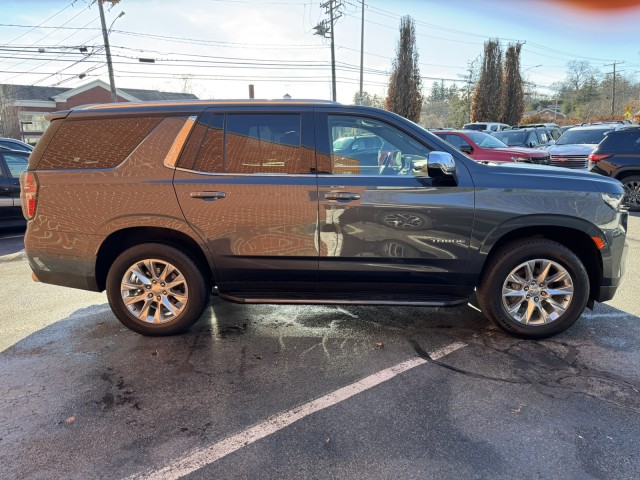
[527, 69]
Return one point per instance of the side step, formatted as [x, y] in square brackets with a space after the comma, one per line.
[340, 298]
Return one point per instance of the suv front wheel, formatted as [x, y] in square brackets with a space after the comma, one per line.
[155, 289]
[534, 288]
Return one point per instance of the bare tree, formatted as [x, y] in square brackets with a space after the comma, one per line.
[8, 111]
[581, 74]
[484, 106]
[404, 95]
[512, 87]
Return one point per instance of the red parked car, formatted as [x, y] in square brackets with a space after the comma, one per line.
[484, 147]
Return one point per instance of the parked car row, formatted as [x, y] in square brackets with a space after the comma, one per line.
[618, 156]
[610, 148]
[13, 161]
[484, 147]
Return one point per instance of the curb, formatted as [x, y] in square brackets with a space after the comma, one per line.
[13, 257]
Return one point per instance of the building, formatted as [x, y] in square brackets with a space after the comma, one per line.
[23, 107]
[548, 114]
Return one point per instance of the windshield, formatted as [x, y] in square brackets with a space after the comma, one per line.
[475, 126]
[576, 136]
[511, 138]
[484, 140]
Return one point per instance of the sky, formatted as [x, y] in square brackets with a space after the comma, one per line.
[216, 48]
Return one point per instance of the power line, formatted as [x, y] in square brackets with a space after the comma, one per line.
[40, 24]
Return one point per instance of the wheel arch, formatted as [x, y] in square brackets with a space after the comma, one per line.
[625, 172]
[121, 240]
[572, 236]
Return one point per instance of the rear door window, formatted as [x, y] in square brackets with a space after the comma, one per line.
[247, 143]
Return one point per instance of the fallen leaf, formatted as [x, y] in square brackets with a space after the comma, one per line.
[379, 345]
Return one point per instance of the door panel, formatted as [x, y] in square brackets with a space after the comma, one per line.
[392, 231]
[257, 205]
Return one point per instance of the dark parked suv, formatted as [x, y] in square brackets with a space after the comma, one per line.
[618, 156]
[157, 203]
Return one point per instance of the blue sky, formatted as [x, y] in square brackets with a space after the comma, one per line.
[218, 47]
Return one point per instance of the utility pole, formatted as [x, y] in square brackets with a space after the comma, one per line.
[361, 53]
[332, 7]
[613, 96]
[105, 36]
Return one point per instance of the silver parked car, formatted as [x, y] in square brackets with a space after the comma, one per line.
[574, 146]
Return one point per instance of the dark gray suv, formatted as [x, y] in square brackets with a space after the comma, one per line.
[157, 203]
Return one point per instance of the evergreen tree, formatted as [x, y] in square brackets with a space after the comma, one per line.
[404, 95]
[512, 87]
[485, 105]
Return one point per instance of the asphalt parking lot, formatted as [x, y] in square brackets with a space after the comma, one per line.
[312, 392]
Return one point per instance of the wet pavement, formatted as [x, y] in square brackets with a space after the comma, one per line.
[83, 397]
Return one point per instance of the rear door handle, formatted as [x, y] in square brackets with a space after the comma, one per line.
[208, 195]
[344, 196]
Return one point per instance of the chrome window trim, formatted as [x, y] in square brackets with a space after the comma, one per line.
[181, 138]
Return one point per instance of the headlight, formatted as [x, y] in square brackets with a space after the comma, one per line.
[519, 159]
[612, 199]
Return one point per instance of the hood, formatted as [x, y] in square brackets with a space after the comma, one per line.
[544, 177]
[572, 149]
[524, 152]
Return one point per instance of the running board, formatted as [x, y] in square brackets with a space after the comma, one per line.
[342, 299]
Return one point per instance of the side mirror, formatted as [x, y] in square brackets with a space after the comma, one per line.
[466, 148]
[438, 164]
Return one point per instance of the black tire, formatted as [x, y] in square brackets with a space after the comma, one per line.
[632, 192]
[506, 261]
[190, 286]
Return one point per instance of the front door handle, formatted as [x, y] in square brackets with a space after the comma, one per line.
[208, 195]
[344, 196]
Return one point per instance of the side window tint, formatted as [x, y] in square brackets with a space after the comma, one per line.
[210, 153]
[94, 143]
[264, 143]
[396, 154]
[16, 164]
[455, 140]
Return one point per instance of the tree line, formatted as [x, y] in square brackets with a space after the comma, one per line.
[492, 89]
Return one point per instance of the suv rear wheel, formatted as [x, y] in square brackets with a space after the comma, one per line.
[155, 289]
[632, 192]
[534, 288]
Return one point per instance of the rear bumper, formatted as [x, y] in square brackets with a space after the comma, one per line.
[61, 258]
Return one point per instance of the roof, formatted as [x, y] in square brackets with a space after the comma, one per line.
[31, 92]
[197, 102]
[151, 95]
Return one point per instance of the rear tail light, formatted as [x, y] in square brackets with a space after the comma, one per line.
[29, 194]
[596, 157]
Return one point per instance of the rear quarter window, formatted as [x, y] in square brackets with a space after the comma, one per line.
[621, 142]
[97, 143]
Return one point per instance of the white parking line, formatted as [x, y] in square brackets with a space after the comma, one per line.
[206, 456]
[14, 236]
[607, 315]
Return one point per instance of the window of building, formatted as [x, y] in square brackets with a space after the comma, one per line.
[32, 122]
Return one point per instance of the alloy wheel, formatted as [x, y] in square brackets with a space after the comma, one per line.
[537, 292]
[154, 291]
